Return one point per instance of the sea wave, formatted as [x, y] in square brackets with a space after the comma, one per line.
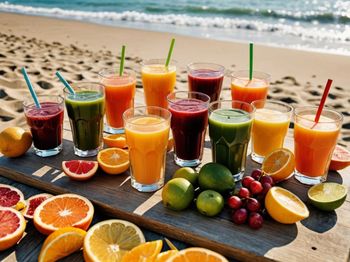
[337, 33]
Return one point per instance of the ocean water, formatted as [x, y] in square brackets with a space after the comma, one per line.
[318, 25]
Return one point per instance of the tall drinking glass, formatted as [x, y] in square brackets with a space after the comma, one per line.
[158, 81]
[86, 109]
[188, 124]
[206, 78]
[246, 90]
[270, 127]
[314, 143]
[230, 125]
[120, 93]
[45, 124]
[147, 133]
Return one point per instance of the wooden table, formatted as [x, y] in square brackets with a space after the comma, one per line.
[321, 237]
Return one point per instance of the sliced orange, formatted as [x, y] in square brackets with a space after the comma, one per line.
[279, 164]
[146, 252]
[285, 207]
[113, 160]
[67, 210]
[115, 140]
[340, 158]
[197, 254]
[164, 256]
[12, 226]
[61, 243]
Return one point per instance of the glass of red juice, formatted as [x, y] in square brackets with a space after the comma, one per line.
[46, 124]
[206, 78]
[189, 123]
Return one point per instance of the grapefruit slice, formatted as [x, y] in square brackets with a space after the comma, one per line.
[12, 226]
[32, 203]
[67, 210]
[80, 169]
[11, 197]
[340, 158]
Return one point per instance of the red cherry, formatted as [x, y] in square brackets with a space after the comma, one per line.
[255, 220]
[234, 202]
[247, 180]
[240, 216]
[244, 192]
[255, 187]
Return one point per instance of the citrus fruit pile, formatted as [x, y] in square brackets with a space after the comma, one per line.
[210, 182]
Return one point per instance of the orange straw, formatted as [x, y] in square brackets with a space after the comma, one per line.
[323, 100]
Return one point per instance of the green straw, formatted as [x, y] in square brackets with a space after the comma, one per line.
[121, 68]
[251, 61]
[68, 86]
[31, 89]
[170, 52]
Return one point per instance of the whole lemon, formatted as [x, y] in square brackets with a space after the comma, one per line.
[14, 141]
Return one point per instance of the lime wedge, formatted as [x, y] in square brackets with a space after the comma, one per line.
[327, 196]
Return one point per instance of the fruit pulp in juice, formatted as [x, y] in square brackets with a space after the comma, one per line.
[46, 125]
[269, 130]
[147, 139]
[158, 82]
[314, 145]
[229, 131]
[119, 94]
[248, 91]
[188, 124]
[206, 81]
[86, 118]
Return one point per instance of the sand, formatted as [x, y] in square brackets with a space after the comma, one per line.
[80, 50]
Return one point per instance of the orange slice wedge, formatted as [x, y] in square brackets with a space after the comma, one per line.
[197, 254]
[146, 252]
[279, 164]
[115, 140]
[113, 160]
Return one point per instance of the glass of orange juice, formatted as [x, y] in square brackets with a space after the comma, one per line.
[119, 95]
[270, 126]
[314, 143]
[147, 134]
[246, 90]
[158, 81]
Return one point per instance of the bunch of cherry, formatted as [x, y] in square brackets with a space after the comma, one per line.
[248, 201]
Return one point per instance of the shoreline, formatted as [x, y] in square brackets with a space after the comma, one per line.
[79, 50]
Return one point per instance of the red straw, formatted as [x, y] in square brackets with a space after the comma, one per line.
[323, 100]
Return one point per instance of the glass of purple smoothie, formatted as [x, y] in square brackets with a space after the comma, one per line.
[46, 124]
[206, 78]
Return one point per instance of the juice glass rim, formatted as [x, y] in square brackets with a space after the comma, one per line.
[158, 61]
[164, 119]
[173, 95]
[213, 107]
[238, 74]
[29, 103]
[108, 73]
[313, 109]
[219, 68]
[99, 89]
[291, 108]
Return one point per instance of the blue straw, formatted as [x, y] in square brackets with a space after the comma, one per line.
[31, 89]
[70, 89]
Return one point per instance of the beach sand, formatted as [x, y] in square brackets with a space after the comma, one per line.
[80, 50]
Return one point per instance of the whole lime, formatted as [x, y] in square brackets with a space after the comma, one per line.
[178, 194]
[210, 203]
[216, 177]
[187, 173]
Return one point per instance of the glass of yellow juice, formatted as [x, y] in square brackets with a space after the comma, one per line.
[147, 134]
[270, 126]
[158, 81]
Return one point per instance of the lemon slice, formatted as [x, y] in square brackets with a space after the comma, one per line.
[327, 196]
[110, 240]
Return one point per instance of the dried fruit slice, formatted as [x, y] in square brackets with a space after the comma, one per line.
[11, 197]
[145, 252]
[67, 210]
[109, 240]
[32, 203]
[80, 169]
[340, 158]
[62, 243]
[12, 226]
[197, 254]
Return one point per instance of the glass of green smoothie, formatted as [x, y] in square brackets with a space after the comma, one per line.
[230, 123]
[86, 109]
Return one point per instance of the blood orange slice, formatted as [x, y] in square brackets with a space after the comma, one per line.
[80, 169]
[67, 210]
[12, 226]
[32, 203]
[340, 158]
[11, 197]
